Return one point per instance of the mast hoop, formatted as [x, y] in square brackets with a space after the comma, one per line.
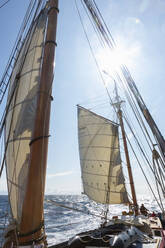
[50, 41]
[35, 241]
[36, 236]
[20, 235]
[38, 138]
[46, 93]
[51, 8]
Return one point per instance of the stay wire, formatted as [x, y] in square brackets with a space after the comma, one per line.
[100, 38]
[99, 70]
[7, 107]
[157, 175]
[1, 6]
[127, 96]
[132, 127]
[15, 162]
[17, 46]
[141, 150]
[3, 121]
[72, 208]
[97, 65]
[135, 110]
[143, 172]
[145, 152]
[162, 163]
[91, 8]
[18, 36]
[141, 105]
[154, 166]
[137, 135]
[160, 174]
[102, 27]
[112, 40]
[97, 21]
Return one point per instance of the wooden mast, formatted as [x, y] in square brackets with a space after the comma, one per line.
[32, 211]
[119, 112]
[128, 162]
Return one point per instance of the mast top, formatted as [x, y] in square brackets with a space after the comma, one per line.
[118, 102]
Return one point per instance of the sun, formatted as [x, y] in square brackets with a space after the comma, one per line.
[111, 60]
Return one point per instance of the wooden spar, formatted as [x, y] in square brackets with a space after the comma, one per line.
[119, 112]
[32, 211]
[128, 162]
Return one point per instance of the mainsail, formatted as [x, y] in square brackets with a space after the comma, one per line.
[27, 128]
[22, 98]
[100, 160]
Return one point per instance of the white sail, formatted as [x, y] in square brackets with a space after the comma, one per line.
[102, 175]
[21, 114]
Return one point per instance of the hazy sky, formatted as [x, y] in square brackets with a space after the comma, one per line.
[138, 26]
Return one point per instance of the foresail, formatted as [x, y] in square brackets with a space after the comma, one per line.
[102, 175]
[22, 100]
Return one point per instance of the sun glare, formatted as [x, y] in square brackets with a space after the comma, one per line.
[110, 61]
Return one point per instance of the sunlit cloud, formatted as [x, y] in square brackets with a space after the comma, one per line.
[60, 174]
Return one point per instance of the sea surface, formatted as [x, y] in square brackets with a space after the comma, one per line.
[63, 223]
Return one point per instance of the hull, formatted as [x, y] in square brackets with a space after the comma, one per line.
[120, 235]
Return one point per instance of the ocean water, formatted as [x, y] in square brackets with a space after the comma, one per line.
[62, 223]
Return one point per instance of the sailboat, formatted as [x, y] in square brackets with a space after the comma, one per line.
[29, 75]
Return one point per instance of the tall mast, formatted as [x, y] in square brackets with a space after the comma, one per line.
[31, 227]
[119, 112]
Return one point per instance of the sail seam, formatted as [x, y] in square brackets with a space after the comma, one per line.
[18, 139]
[111, 191]
[100, 134]
[108, 147]
[96, 160]
[15, 184]
[95, 174]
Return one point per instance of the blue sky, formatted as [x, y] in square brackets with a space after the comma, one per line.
[138, 26]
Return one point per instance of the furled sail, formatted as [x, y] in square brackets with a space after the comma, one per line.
[102, 175]
[22, 101]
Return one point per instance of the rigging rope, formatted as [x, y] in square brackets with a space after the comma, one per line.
[94, 57]
[58, 204]
[158, 173]
[137, 114]
[30, 17]
[4, 4]
[104, 31]
[34, 8]
[27, 18]
[141, 150]
[75, 209]
[105, 38]
[143, 173]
